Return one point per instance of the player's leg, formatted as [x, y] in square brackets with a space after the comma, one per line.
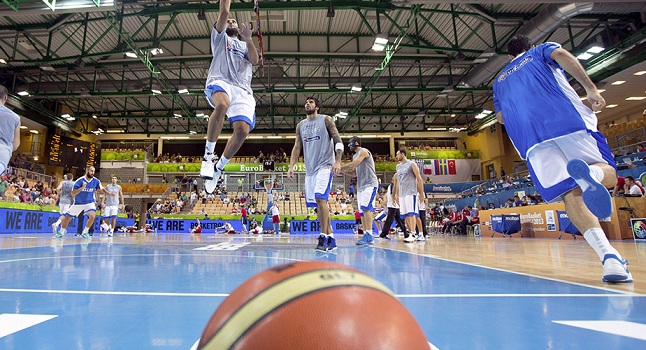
[219, 100]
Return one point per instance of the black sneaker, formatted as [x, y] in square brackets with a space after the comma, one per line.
[322, 245]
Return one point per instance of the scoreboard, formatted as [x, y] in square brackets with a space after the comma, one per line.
[72, 153]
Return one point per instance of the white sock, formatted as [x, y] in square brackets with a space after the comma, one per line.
[596, 238]
[222, 162]
[58, 222]
[86, 230]
[596, 172]
[209, 149]
[368, 232]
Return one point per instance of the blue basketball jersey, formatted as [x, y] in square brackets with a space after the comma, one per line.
[87, 195]
[537, 102]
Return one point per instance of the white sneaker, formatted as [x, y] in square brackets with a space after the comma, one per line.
[110, 232]
[210, 185]
[54, 229]
[420, 237]
[208, 169]
[409, 239]
[615, 270]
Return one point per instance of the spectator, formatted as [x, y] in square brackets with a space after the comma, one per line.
[631, 187]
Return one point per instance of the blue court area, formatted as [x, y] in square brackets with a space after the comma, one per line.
[157, 292]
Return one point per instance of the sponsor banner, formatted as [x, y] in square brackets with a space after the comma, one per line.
[314, 227]
[185, 226]
[443, 154]
[449, 188]
[31, 221]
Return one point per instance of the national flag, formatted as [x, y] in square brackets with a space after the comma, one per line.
[428, 167]
[451, 165]
[441, 167]
[420, 164]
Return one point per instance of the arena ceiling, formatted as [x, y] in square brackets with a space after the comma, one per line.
[434, 75]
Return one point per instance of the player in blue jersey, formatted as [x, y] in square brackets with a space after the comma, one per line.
[83, 193]
[228, 91]
[9, 131]
[567, 156]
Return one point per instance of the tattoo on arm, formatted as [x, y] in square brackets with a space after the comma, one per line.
[334, 134]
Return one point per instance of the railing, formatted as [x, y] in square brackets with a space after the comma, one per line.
[129, 146]
[27, 165]
[31, 175]
[627, 142]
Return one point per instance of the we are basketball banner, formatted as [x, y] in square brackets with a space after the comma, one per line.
[35, 221]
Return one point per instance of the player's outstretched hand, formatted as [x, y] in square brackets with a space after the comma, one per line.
[245, 31]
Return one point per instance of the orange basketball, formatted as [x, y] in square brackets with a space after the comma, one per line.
[312, 305]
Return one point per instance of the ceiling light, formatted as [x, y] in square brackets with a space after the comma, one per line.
[192, 132]
[641, 72]
[94, 116]
[274, 137]
[584, 56]
[199, 115]
[155, 91]
[480, 116]
[597, 112]
[33, 131]
[23, 127]
[601, 90]
[156, 51]
[68, 117]
[618, 82]
[356, 87]
[595, 49]
[182, 91]
[436, 129]
[380, 42]
[177, 115]
[3, 61]
[486, 111]
[638, 98]
[611, 106]
[488, 124]
[131, 54]
[114, 131]
[23, 93]
[452, 115]
[47, 67]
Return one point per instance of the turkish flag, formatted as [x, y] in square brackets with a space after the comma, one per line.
[451, 166]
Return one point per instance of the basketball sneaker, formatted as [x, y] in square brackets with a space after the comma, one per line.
[615, 270]
[409, 239]
[366, 239]
[322, 245]
[210, 185]
[55, 230]
[331, 244]
[208, 167]
[60, 233]
[110, 232]
[595, 196]
[420, 237]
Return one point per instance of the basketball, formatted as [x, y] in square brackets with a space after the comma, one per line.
[312, 305]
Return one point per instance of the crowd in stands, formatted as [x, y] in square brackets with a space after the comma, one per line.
[18, 189]
[26, 161]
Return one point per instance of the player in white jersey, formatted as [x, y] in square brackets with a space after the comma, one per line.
[228, 91]
[557, 134]
[9, 131]
[322, 148]
[363, 168]
[85, 189]
[112, 204]
[408, 190]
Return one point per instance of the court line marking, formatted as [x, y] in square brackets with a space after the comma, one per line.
[175, 294]
[605, 289]
[622, 328]
[13, 323]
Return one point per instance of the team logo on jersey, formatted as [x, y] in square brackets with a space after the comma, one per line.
[311, 139]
